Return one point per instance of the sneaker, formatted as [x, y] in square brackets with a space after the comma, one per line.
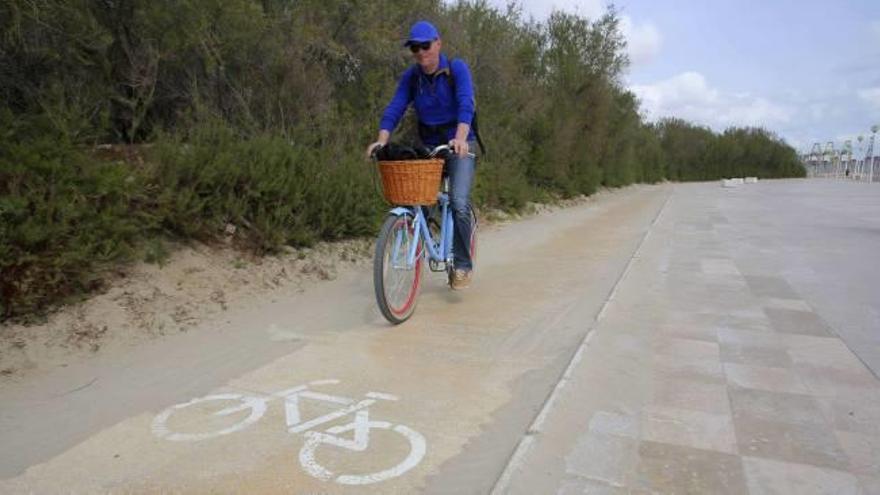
[461, 279]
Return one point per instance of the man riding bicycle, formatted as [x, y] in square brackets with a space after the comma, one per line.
[443, 96]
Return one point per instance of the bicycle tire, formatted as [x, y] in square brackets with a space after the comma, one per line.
[394, 308]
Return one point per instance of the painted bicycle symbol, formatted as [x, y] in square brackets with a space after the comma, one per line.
[361, 425]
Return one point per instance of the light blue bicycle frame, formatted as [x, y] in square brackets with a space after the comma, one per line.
[441, 251]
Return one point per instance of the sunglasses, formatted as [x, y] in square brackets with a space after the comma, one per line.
[415, 47]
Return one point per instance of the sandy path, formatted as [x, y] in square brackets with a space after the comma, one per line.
[469, 372]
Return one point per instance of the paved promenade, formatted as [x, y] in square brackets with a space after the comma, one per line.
[739, 354]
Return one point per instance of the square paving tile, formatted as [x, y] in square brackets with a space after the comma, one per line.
[856, 414]
[870, 485]
[722, 287]
[615, 423]
[790, 304]
[689, 428]
[783, 426]
[683, 267]
[665, 468]
[718, 266]
[765, 338]
[689, 369]
[863, 452]
[692, 396]
[755, 355]
[568, 487]
[799, 322]
[828, 352]
[836, 382]
[771, 287]
[757, 321]
[583, 486]
[690, 348]
[752, 318]
[770, 477]
[800, 443]
[690, 331]
[608, 458]
[764, 378]
[776, 407]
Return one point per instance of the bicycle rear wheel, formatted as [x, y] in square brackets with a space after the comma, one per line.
[397, 283]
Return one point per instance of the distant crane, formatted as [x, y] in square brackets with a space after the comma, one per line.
[829, 160]
[846, 158]
[815, 158]
[860, 162]
[870, 159]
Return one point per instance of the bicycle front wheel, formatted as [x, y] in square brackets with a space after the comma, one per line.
[396, 282]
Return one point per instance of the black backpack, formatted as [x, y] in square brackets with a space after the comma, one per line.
[433, 130]
[394, 151]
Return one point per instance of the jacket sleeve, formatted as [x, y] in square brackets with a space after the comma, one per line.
[398, 104]
[464, 91]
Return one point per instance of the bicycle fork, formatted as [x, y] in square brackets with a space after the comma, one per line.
[407, 238]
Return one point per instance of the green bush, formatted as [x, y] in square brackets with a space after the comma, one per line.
[63, 218]
[272, 191]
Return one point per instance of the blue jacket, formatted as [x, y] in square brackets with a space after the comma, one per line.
[434, 100]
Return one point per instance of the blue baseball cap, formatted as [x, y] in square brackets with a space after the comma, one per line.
[422, 31]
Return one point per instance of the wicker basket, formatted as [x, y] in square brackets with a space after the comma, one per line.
[411, 182]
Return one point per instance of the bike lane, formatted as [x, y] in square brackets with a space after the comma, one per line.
[465, 376]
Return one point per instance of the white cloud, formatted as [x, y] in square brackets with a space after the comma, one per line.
[541, 9]
[689, 96]
[643, 40]
[871, 95]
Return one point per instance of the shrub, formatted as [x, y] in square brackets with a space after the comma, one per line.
[64, 217]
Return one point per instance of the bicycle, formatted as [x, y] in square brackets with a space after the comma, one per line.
[256, 406]
[409, 235]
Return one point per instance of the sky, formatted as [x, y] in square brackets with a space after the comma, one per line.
[807, 70]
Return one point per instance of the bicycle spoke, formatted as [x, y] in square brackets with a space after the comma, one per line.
[399, 272]
[397, 277]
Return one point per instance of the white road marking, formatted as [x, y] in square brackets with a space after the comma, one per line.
[381, 396]
[359, 442]
[361, 426]
[255, 404]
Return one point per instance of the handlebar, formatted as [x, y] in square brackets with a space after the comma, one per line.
[438, 149]
[443, 151]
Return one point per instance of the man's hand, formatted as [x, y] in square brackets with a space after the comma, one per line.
[373, 147]
[381, 140]
[459, 146]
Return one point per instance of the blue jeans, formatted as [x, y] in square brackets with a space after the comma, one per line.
[461, 178]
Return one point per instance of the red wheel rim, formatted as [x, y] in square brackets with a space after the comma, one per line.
[411, 297]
